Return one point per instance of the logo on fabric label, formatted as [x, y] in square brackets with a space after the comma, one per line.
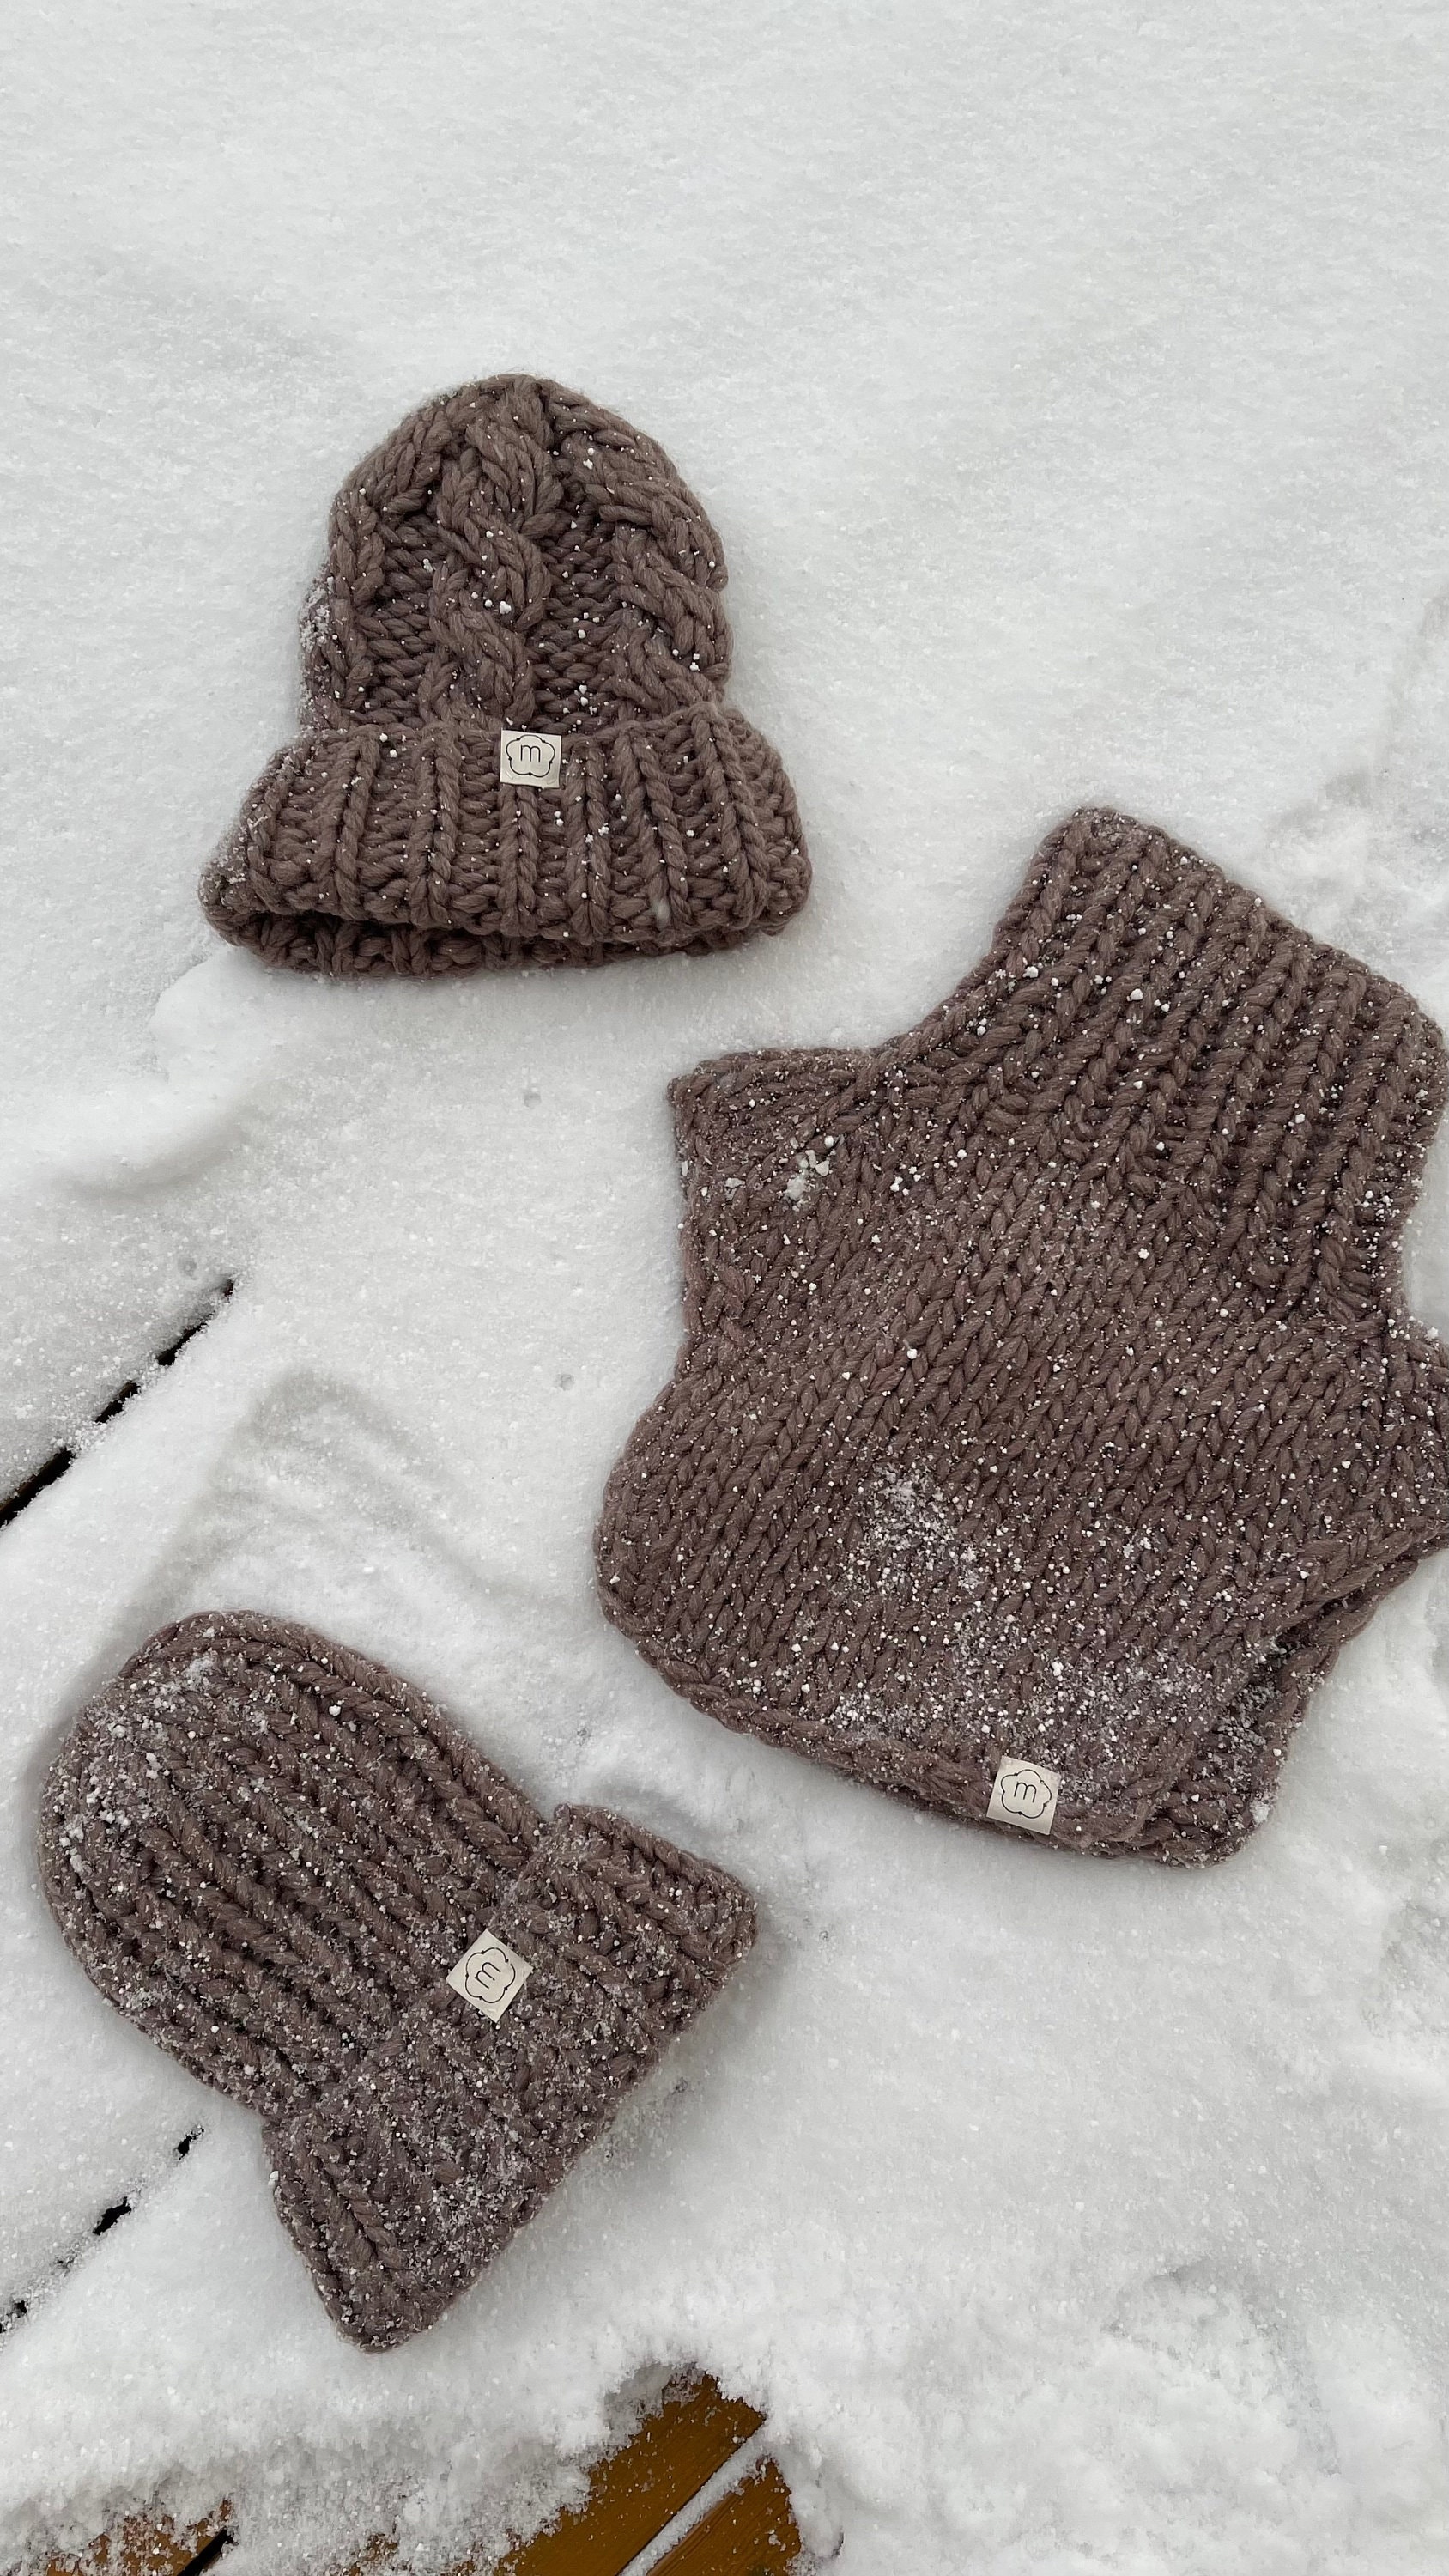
[530, 759]
[1024, 1794]
[490, 1975]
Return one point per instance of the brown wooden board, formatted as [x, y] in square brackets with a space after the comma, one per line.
[632, 2495]
[750, 2532]
[637, 2490]
[142, 2547]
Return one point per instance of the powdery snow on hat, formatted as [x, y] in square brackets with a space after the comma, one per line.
[516, 750]
[290, 1869]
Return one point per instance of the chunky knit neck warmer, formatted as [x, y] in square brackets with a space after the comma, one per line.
[290, 1869]
[513, 561]
[1049, 1413]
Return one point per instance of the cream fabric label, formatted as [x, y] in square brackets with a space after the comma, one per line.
[490, 1975]
[530, 759]
[1024, 1794]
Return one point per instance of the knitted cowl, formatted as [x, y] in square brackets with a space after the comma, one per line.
[512, 557]
[269, 1852]
[1048, 1392]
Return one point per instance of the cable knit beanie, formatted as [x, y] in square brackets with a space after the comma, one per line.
[516, 750]
[285, 1865]
[1049, 1412]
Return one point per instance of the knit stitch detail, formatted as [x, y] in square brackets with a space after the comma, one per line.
[513, 557]
[260, 1846]
[1048, 1391]
[407, 2179]
[268, 1852]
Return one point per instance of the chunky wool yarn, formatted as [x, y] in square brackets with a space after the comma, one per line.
[1048, 1412]
[270, 1853]
[513, 560]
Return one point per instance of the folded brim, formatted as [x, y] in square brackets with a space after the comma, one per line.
[406, 2179]
[371, 851]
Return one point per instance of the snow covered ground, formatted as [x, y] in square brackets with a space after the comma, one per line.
[1069, 385]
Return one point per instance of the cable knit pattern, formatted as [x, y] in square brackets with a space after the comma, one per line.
[1048, 1391]
[268, 1852]
[413, 2173]
[512, 557]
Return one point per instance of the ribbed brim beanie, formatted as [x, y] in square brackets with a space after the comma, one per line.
[298, 1876]
[1049, 1410]
[516, 747]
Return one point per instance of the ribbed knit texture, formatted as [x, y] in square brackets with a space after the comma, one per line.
[512, 557]
[412, 2173]
[1048, 1390]
[268, 1852]
[261, 1847]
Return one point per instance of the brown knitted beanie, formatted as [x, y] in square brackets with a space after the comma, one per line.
[289, 1868]
[1049, 1413]
[516, 746]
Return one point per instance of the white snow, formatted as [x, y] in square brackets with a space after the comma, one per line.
[1069, 385]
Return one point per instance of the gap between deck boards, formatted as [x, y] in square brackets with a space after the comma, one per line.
[673, 2471]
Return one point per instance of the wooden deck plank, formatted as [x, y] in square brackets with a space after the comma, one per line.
[752, 2531]
[638, 2489]
[633, 2494]
[143, 2546]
